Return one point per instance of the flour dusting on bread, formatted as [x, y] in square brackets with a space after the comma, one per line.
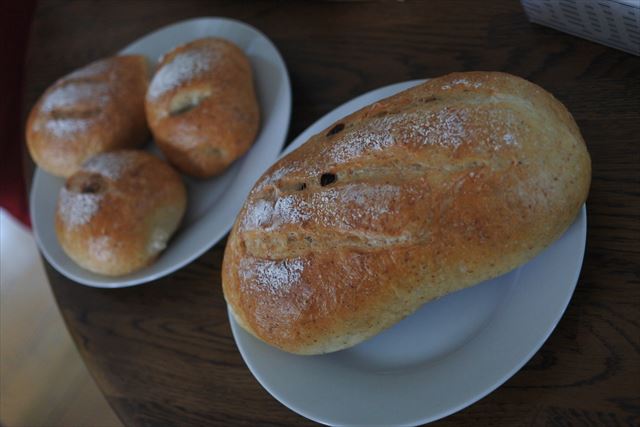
[275, 276]
[258, 214]
[343, 207]
[158, 241]
[181, 69]
[109, 165]
[77, 208]
[101, 248]
[61, 128]
[463, 82]
[353, 206]
[289, 209]
[72, 107]
[445, 128]
[66, 97]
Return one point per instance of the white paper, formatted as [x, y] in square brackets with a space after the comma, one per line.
[615, 23]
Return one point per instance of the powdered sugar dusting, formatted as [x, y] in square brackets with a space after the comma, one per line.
[182, 68]
[275, 276]
[77, 209]
[110, 165]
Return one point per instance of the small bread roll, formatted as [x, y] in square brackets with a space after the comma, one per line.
[97, 108]
[117, 213]
[452, 182]
[202, 107]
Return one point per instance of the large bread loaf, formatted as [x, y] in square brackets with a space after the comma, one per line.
[442, 186]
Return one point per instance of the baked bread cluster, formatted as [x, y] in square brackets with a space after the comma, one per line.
[119, 207]
[455, 181]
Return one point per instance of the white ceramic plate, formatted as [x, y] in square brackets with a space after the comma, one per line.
[444, 357]
[213, 203]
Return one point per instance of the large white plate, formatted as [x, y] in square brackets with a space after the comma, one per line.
[213, 203]
[444, 357]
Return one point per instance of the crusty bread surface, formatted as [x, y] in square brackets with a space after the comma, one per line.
[117, 213]
[201, 106]
[97, 108]
[442, 186]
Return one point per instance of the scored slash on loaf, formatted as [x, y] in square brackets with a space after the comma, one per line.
[435, 189]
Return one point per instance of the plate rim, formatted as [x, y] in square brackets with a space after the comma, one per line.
[536, 346]
[40, 174]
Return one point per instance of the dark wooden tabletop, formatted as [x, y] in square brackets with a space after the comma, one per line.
[163, 353]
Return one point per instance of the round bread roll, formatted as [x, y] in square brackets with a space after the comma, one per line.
[97, 108]
[201, 106]
[456, 181]
[117, 213]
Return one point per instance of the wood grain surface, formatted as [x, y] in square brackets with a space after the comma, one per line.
[163, 353]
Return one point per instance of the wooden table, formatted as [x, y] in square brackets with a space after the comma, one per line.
[163, 353]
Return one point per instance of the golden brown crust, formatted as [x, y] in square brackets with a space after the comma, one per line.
[97, 108]
[116, 214]
[437, 188]
[201, 106]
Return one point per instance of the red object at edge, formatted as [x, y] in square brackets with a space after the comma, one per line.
[15, 23]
